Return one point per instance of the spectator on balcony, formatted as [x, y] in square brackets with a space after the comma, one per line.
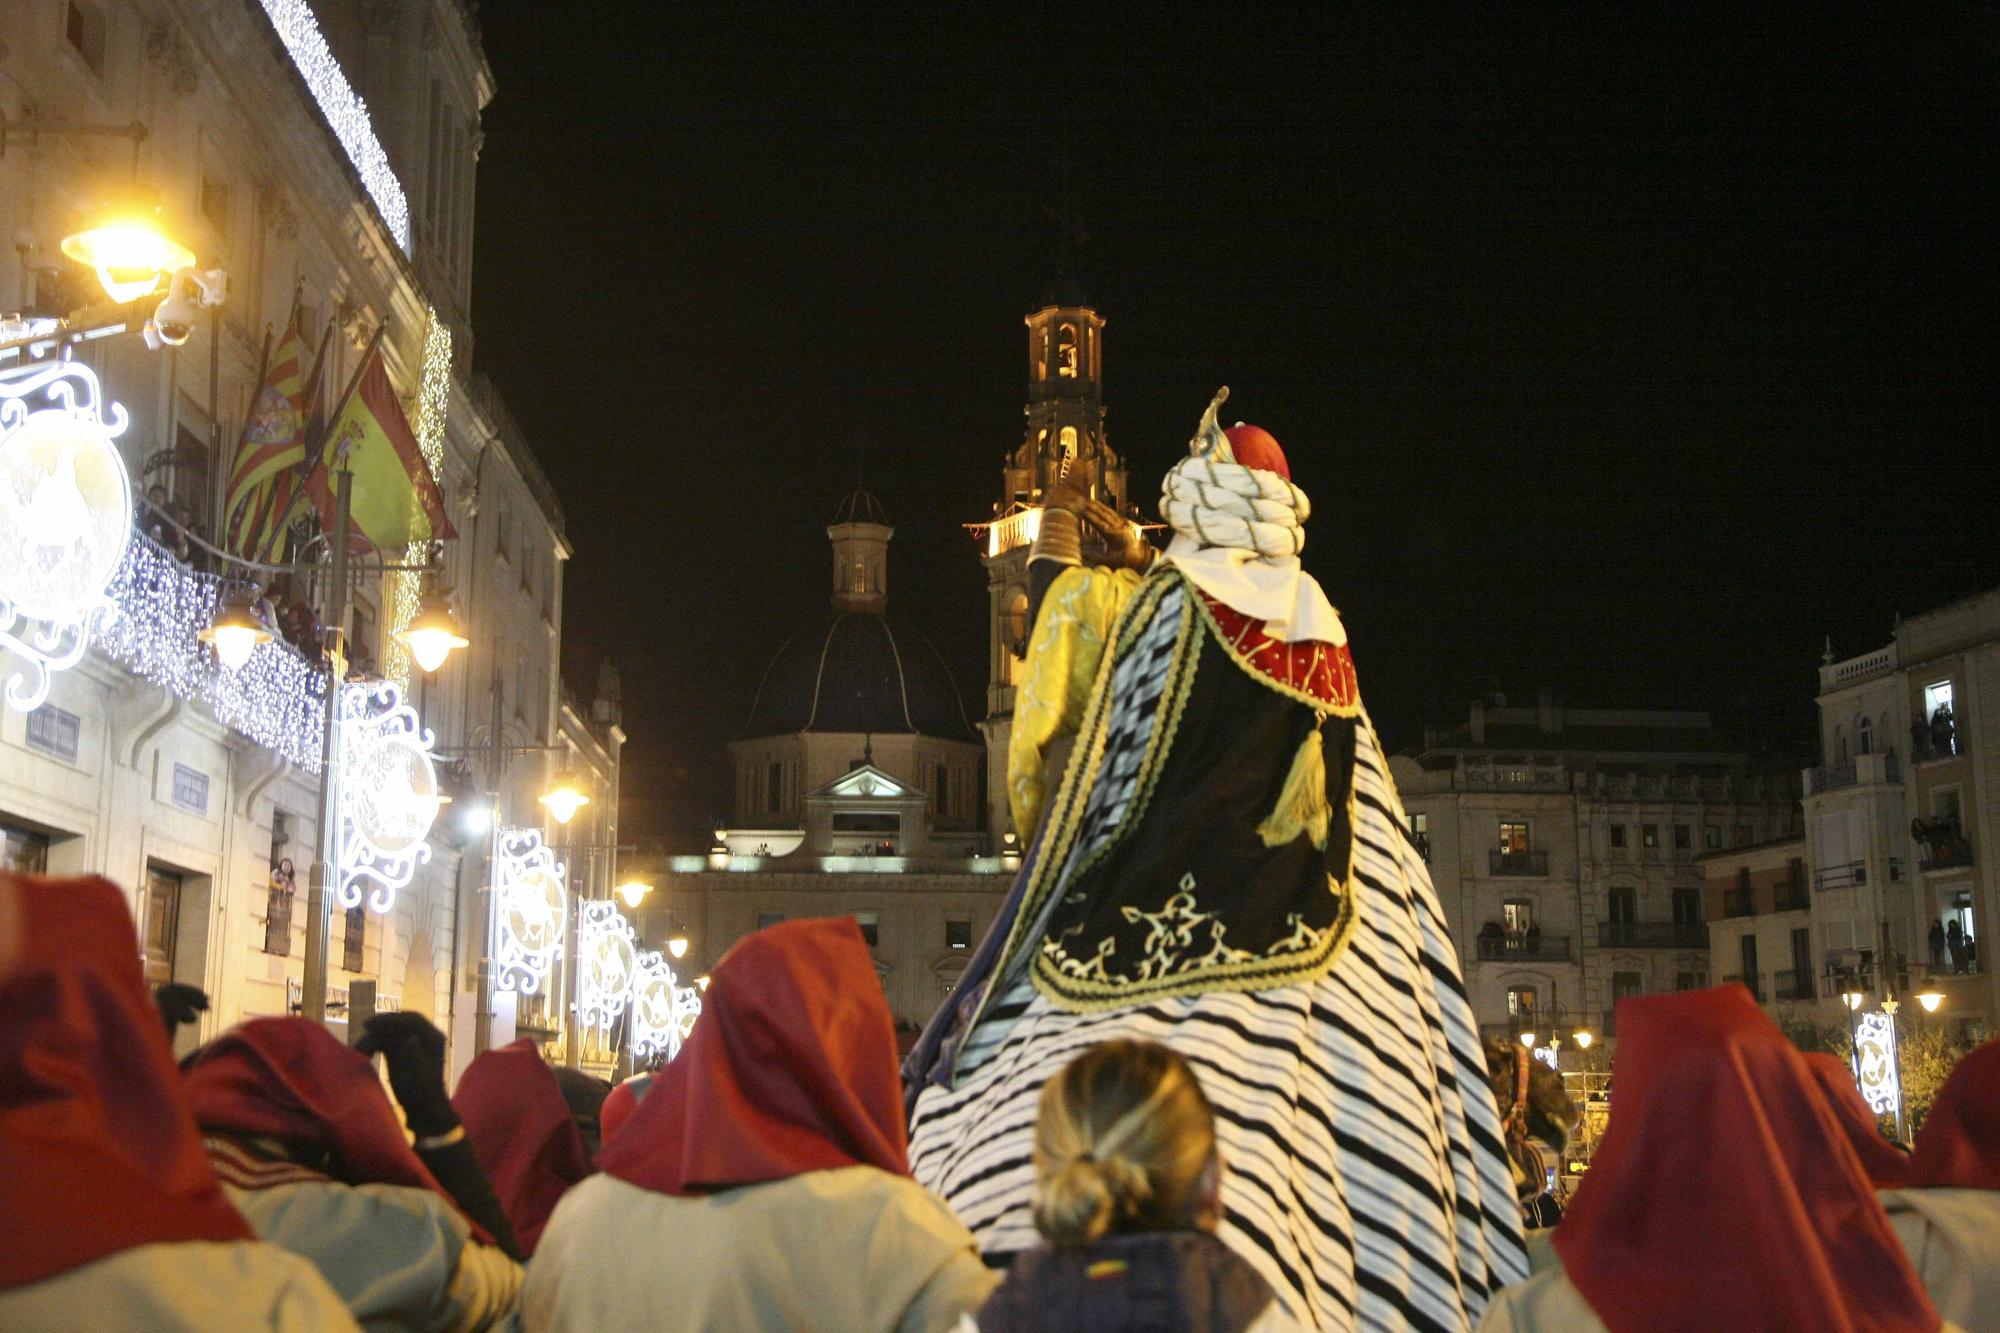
[1944, 732]
[1531, 939]
[1937, 946]
[1954, 941]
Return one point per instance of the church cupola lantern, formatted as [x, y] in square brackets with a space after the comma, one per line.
[860, 534]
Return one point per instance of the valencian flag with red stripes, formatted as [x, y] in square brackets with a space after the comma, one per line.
[396, 500]
[264, 479]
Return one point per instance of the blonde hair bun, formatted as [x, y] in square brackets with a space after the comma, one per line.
[1122, 1137]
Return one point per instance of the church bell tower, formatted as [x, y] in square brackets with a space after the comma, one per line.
[1062, 439]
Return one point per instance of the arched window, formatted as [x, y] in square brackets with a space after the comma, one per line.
[1016, 627]
[1864, 736]
[1068, 449]
[1066, 351]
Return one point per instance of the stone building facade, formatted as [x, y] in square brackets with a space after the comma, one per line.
[207, 814]
[1563, 842]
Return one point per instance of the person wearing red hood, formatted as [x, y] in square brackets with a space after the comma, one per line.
[1725, 1195]
[522, 1130]
[113, 1218]
[1887, 1164]
[1225, 868]
[762, 1182]
[1947, 1211]
[311, 1151]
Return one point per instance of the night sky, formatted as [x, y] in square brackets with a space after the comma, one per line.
[1630, 358]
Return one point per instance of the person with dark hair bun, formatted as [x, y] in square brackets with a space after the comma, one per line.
[1127, 1197]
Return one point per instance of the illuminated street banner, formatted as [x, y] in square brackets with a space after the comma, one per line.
[388, 793]
[1875, 1061]
[65, 519]
[608, 960]
[663, 1011]
[530, 911]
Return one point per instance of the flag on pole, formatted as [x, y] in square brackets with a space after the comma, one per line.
[282, 498]
[396, 499]
[273, 441]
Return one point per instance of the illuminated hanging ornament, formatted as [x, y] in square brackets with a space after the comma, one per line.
[663, 1010]
[388, 793]
[608, 955]
[65, 518]
[530, 911]
[1875, 1061]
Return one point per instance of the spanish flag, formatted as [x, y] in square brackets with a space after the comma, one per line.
[272, 445]
[396, 500]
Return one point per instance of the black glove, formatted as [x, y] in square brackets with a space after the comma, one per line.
[179, 1003]
[413, 1048]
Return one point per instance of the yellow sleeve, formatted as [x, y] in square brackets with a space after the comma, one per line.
[1071, 631]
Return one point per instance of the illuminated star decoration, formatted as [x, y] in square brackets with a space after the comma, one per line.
[530, 910]
[1875, 1061]
[608, 958]
[65, 519]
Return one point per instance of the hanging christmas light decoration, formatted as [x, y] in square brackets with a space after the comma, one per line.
[388, 793]
[608, 956]
[530, 911]
[277, 698]
[433, 407]
[663, 1010]
[344, 110]
[65, 519]
[1875, 1061]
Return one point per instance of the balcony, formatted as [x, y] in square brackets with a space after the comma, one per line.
[1750, 983]
[1739, 902]
[1518, 863]
[1868, 770]
[1652, 935]
[1523, 948]
[1851, 875]
[1941, 845]
[1792, 984]
[1790, 897]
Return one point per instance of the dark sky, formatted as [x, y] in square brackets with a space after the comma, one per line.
[1631, 358]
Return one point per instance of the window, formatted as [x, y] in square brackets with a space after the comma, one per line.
[84, 27]
[941, 795]
[23, 851]
[765, 920]
[958, 932]
[1015, 627]
[1743, 879]
[1687, 906]
[1711, 837]
[870, 923]
[1513, 837]
[354, 946]
[1937, 736]
[1864, 736]
[1420, 824]
[190, 789]
[1617, 835]
[1066, 351]
[1744, 836]
[1521, 1003]
[1683, 838]
[1690, 981]
[1624, 985]
[1649, 835]
[161, 924]
[1067, 452]
[54, 731]
[1746, 948]
[774, 786]
[1839, 745]
[215, 203]
[1517, 914]
[283, 886]
[1622, 906]
[1945, 806]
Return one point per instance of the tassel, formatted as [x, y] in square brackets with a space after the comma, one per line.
[1302, 806]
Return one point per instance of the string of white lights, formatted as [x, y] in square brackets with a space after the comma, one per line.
[433, 407]
[344, 110]
[277, 698]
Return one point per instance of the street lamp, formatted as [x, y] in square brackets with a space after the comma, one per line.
[677, 944]
[434, 631]
[235, 632]
[1528, 1039]
[127, 248]
[1584, 1038]
[1930, 1000]
[1854, 999]
[565, 798]
[634, 891]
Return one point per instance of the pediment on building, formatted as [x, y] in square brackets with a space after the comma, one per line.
[864, 783]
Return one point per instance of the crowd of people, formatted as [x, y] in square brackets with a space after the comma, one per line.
[762, 1179]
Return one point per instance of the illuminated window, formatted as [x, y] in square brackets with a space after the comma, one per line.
[1513, 837]
[1066, 351]
[1068, 449]
[1517, 914]
[1521, 1003]
[1016, 628]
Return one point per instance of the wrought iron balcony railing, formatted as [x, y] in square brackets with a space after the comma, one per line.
[1523, 948]
[1517, 863]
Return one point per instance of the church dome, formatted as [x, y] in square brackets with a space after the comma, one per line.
[860, 506]
[853, 671]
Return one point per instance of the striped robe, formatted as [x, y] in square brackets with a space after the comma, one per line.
[1365, 1176]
